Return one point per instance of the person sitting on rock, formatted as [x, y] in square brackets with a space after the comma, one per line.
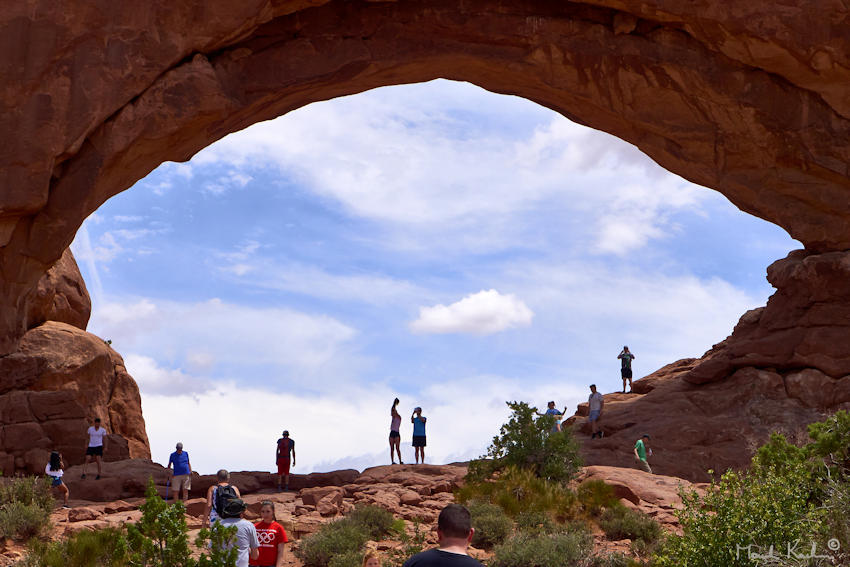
[641, 451]
[285, 446]
[555, 414]
[419, 439]
[54, 470]
[97, 444]
[247, 542]
[182, 479]
[271, 536]
[395, 436]
[454, 532]
[626, 367]
[211, 514]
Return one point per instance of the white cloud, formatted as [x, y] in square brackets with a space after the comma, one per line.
[481, 313]
[235, 427]
[214, 333]
[153, 379]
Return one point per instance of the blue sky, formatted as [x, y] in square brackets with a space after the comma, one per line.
[436, 242]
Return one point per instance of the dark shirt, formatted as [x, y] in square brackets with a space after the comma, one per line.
[437, 558]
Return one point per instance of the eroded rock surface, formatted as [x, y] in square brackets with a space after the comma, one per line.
[750, 100]
[52, 386]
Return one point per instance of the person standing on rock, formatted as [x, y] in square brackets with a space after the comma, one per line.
[285, 446]
[211, 510]
[182, 479]
[419, 440]
[454, 532]
[54, 470]
[247, 542]
[626, 358]
[395, 435]
[97, 443]
[641, 451]
[595, 403]
[271, 536]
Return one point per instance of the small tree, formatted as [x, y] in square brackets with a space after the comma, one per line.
[527, 441]
[160, 538]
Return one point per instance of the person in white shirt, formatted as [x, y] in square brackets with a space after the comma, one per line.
[97, 442]
[595, 402]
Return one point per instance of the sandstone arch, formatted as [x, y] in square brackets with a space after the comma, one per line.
[749, 100]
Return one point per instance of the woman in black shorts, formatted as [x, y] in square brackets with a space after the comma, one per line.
[395, 436]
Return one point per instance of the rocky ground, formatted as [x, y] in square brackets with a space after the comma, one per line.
[414, 493]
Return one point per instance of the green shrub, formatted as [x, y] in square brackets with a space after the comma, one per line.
[619, 522]
[527, 442]
[30, 490]
[336, 538]
[542, 551]
[22, 521]
[160, 537]
[101, 548]
[376, 521]
[491, 524]
[350, 559]
[535, 523]
[518, 491]
[596, 496]
[610, 560]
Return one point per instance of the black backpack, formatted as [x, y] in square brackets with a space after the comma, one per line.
[223, 495]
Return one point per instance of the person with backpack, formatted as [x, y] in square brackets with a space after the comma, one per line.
[218, 495]
[54, 470]
[285, 446]
[246, 542]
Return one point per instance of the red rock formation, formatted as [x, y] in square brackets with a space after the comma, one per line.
[749, 100]
[53, 385]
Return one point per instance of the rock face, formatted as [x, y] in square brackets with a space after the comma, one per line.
[53, 385]
[60, 295]
[750, 100]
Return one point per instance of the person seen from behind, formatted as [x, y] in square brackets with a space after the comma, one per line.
[557, 415]
[395, 435]
[182, 479]
[97, 444]
[55, 470]
[271, 536]
[285, 446]
[626, 358]
[641, 450]
[454, 532]
[419, 439]
[217, 496]
[595, 403]
[247, 542]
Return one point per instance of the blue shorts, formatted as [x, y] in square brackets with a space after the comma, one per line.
[594, 415]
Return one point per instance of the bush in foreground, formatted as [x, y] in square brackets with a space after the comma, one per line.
[492, 526]
[520, 491]
[101, 548]
[543, 550]
[25, 507]
[619, 522]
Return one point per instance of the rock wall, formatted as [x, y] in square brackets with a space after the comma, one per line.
[60, 377]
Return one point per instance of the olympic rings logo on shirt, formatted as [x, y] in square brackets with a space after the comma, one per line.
[266, 536]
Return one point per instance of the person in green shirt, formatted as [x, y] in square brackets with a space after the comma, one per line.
[640, 453]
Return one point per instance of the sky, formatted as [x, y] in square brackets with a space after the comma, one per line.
[436, 242]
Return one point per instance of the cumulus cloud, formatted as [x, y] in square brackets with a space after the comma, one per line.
[482, 313]
[156, 380]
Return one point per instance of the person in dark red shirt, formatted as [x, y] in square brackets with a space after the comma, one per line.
[272, 538]
[285, 446]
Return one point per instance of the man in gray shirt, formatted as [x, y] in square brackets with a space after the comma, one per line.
[246, 534]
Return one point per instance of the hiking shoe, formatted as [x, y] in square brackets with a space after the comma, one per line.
[66, 507]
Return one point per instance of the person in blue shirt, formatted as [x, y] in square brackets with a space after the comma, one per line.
[182, 479]
[557, 415]
[418, 422]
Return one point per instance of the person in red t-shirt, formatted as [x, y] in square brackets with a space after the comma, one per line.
[285, 446]
[271, 536]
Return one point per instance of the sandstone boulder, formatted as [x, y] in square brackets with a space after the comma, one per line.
[60, 295]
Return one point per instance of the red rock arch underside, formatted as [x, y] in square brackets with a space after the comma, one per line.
[749, 99]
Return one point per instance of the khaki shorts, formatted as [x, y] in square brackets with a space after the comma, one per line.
[181, 481]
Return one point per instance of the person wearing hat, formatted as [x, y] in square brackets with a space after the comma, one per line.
[419, 439]
[285, 446]
[246, 542]
[640, 453]
[182, 479]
